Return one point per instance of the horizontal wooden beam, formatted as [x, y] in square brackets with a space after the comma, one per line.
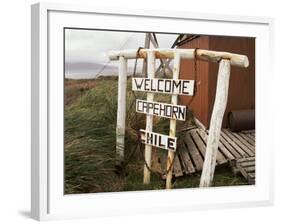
[206, 55]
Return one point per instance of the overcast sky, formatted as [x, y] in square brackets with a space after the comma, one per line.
[86, 50]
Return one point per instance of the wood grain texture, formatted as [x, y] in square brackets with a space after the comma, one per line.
[186, 160]
[247, 167]
[202, 142]
[149, 119]
[121, 111]
[194, 153]
[170, 53]
[216, 124]
[191, 152]
[173, 124]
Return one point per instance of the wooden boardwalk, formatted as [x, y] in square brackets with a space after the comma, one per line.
[232, 148]
[246, 166]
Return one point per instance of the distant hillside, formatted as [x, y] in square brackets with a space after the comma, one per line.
[89, 70]
[78, 70]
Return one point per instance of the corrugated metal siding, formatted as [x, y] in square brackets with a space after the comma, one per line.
[242, 81]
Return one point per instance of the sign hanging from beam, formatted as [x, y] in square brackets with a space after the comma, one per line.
[158, 140]
[167, 86]
[161, 109]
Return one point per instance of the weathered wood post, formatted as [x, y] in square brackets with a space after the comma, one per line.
[173, 123]
[146, 46]
[149, 117]
[216, 123]
[121, 110]
[225, 59]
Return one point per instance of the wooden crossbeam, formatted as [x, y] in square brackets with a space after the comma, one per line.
[201, 54]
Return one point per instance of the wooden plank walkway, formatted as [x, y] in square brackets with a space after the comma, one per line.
[246, 166]
[232, 147]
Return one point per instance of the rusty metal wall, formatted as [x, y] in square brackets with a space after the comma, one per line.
[199, 104]
[242, 81]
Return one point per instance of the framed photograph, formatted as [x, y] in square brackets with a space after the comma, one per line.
[148, 111]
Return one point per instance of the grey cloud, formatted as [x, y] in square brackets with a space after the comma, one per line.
[86, 50]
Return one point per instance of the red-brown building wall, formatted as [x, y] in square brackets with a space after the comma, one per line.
[242, 81]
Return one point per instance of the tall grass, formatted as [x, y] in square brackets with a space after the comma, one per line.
[89, 136]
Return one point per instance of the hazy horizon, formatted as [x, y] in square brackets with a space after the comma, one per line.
[86, 51]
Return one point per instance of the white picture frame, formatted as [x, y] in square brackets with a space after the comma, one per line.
[48, 201]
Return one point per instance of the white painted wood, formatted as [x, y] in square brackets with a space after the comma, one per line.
[159, 53]
[121, 110]
[164, 62]
[121, 11]
[166, 86]
[40, 204]
[149, 118]
[167, 69]
[177, 112]
[173, 124]
[207, 55]
[158, 140]
[216, 123]
[216, 56]
[146, 46]
[153, 41]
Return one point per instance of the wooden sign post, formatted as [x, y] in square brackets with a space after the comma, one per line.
[172, 111]
[150, 108]
[216, 123]
[149, 118]
[173, 124]
[121, 111]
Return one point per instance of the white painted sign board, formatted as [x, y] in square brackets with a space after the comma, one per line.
[167, 86]
[158, 140]
[177, 112]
